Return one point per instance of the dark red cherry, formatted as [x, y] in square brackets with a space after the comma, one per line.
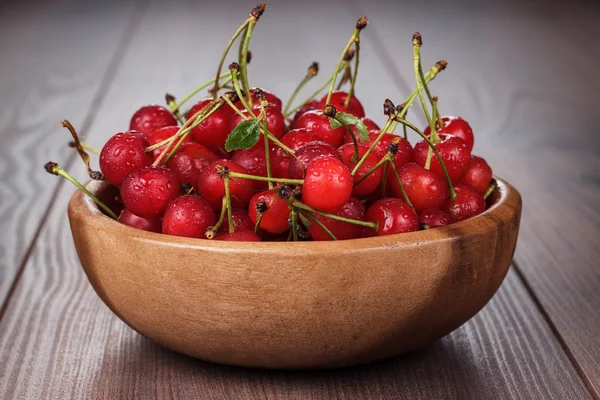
[212, 187]
[371, 182]
[275, 218]
[275, 123]
[478, 175]
[393, 216]
[150, 118]
[454, 152]
[148, 191]
[424, 188]
[212, 132]
[327, 184]
[241, 221]
[273, 100]
[305, 154]
[456, 126]
[311, 105]
[467, 204]
[238, 236]
[294, 139]
[146, 224]
[405, 150]
[189, 161]
[188, 216]
[353, 209]
[316, 122]
[434, 218]
[122, 154]
[369, 123]
[338, 99]
[255, 163]
[162, 134]
[299, 137]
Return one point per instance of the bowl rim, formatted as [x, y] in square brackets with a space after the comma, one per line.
[84, 210]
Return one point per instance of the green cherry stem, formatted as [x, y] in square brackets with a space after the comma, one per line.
[295, 223]
[237, 33]
[265, 179]
[170, 99]
[87, 147]
[244, 60]
[177, 106]
[360, 25]
[314, 220]
[436, 112]
[313, 70]
[211, 231]
[373, 145]
[493, 186]
[404, 194]
[368, 224]
[228, 203]
[263, 105]
[384, 178]
[234, 69]
[54, 169]
[385, 159]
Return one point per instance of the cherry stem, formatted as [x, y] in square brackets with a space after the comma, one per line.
[312, 72]
[355, 74]
[211, 231]
[87, 147]
[354, 141]
[54, 169]
[265, 178]
[314, 220]
[228, 204]
[368, 224]
[263, 104]
[387, 158]
[436, 112]
[345, 77]
[85, 157]
[384, 178]
[244, 60]
[172, 105]
[238, 89]
[437, 154]
[175, 108]
[373, 145]
[493, 185]
[295, 223]
[237, 33]
[404, 194]
[338, 68]
[258, 221]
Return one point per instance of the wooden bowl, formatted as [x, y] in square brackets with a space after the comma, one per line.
[302, 305]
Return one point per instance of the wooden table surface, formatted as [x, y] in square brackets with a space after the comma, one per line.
[525, 74]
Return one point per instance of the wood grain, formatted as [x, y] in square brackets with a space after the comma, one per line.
[59, 341]
[522, 73]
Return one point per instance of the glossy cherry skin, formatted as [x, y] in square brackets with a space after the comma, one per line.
[338, 99]
[371, 182]
[453, 150]
[241, 221]
[478, 175]
[468, 203]
[369, 123]
[424, 188]
[299, 137]
[307, 153]
[393, 215]
[146, 224]
[434, 218]
[405, 150]
[212, 187]
[189, 161]
[162, 134]
[275, 123]
[273, 100]
[254, 161]
[148, 191]
[122, 154]
[275, 219]
[188, 216]
[353, 209]
[311, 105]
[238, 236]
[456, 126]
[294, 139]
[316, 122]
[327, 184]
[150, 118]
[212, 132]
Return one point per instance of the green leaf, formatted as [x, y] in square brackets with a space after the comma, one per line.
[334, 123]
[345, 119]
[362, 130]
[244, 135]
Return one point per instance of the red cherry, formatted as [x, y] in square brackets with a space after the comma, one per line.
[255, 163]
[456, 126]
[165, 133]
[146, 224]
[241, 222]
[307, 153]
[275, 123]
[338, 99]
[453, 150]
[221, 153]
[238, 236]
[299, 137]
[478, 175]
[150, 118]
[212, 132]
[122, 154]
[371, 182]
[318, 123]
[468, 203]
[327, 185]
[188, 216]
[353, 209]
[189, 161]
[294, 139]
[434, 218]
[393, 215]
[369, 123]
[405, 150]
[424, 188]
[273, 100]
[275, 219]
[148, 191]
[311, 105]
[212, 187]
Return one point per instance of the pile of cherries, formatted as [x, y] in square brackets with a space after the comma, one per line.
[238, 166]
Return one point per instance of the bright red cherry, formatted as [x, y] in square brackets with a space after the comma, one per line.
[213, 131]
[316, 122]
[299, 137]
[478, 175]
[454, 152]
[122, 154]
[424, 188]
[327, 184]
[275, 218]
[238, 236]
[212, 187]
[162, 134]
[467, 204]
[275, 123]
[405, 150]
[305, 154]
[188, 216]
[456, 126]
[241, 222]
[434, 218]
[311, 105]
[353, 209]
[150, 118]
[338, 99]
[371, 182]
[393, 215]
[189, 161]
[148, 191]
[294, 139]
[255, 163]
[273, 100]
[146, 224]
[369, 123]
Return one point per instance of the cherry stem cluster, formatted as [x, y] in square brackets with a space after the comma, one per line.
[313, 70]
